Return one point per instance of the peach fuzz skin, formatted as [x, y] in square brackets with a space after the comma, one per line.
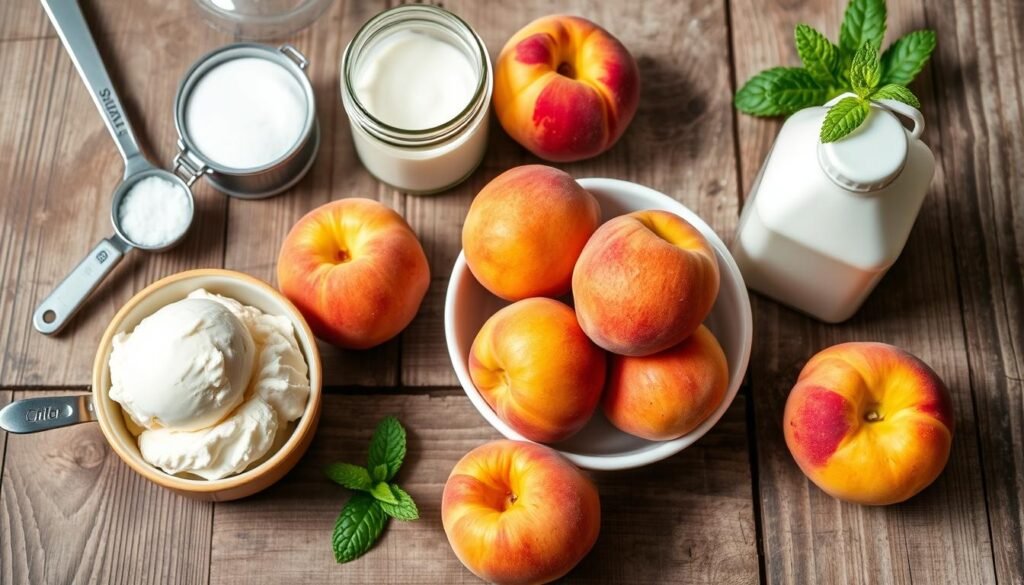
[565, 88]
[644, 282]
[519, 513]
[869, 423]
[668, 394]
[525, 230]
[536, 368]
[355, 270]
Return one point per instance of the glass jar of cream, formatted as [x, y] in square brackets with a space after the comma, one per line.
[416, 84]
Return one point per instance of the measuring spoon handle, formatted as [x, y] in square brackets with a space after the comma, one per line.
[57, 309]
[69, 21]
[31, 415]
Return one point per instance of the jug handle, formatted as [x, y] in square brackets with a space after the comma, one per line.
[893, 106]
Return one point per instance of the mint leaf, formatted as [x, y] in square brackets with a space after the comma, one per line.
[843, 118]
[382, 493]
[357, 528]
[863, 22]
[753, 98]
[865, 70]
[387, 447]
[351, 476]
[404, 509]
[896, 92]
[905, 58]
[796, 89]
[379, 473]
[819, 56]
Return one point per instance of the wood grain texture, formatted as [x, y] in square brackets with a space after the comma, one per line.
[688, 519]
[979, 86]
[680, 141]
[940, 536]
[257, 228]
[5, 397]
[72, 512]
[60, 168]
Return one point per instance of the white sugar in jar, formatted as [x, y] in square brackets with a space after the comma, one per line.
[246, 120]
[416, 84]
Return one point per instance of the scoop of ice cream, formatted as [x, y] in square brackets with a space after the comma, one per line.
[281, 377]
[224, 449]
[185, 367]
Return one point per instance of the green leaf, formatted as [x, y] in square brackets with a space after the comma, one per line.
[865, 71]
[380, 473]
[843, 118]
[387, 447]
[864, 22]
[404, 509]
[905, 58]
[382, 493]
[819, 56]
[351, 476]
[795, 90]
[753, 98]
[359, 525]
[896, 92]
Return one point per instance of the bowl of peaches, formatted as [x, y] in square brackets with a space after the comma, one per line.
[597, 316]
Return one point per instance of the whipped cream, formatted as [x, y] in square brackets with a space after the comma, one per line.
[275, 393]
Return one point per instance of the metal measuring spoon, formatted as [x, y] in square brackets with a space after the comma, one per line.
[55, 311]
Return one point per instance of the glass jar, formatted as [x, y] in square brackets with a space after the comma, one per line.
[426, 160]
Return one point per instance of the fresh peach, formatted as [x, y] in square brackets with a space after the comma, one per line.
[666, 395]
[644, 282]
[355, 270]
[869, 423]
[519, 513]
[565, 88]
[525, 230]
[536, 368]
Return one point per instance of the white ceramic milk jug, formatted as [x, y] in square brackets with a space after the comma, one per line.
[824, 222]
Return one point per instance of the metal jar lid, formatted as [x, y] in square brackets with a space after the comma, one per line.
[251, 183]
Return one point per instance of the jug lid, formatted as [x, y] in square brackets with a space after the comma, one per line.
[871, 156]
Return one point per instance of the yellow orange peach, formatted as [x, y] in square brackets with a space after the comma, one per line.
[355, 270]
[668, 394]
[525, 230]
[644, 282]
[869, 423]
[536, 368]
[565, 88]
[519, 513]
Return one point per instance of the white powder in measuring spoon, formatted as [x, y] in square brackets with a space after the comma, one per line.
[246, 113]
[154, 212]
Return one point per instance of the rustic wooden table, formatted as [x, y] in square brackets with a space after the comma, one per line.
[734, 508]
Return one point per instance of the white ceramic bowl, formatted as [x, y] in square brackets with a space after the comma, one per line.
[600, 445]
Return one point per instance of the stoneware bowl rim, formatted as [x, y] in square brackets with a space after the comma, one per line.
[125, 444]
[740, 324]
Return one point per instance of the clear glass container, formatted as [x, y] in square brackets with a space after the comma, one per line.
[428, 160]
[257, 20]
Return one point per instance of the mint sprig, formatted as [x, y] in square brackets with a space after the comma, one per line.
[830, 70]
[364, 516]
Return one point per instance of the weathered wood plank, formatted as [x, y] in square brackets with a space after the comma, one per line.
[71, 511]
[685, 520]
[257, 228]
[680, 142]
[60, 168]
[942, 535]
[979, 84]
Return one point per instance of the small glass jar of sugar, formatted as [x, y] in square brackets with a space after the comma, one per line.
[246, 120]
[416, 84]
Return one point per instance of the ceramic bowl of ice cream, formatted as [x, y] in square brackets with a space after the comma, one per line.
[207, 382]
[599, 445]
[248, 291]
